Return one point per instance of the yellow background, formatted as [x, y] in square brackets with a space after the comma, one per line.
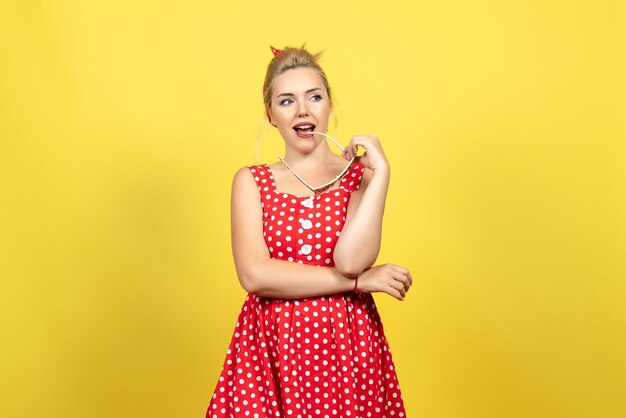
[123, 122]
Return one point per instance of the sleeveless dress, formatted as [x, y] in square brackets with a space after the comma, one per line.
[323, 356]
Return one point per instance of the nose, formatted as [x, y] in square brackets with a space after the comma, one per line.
[302, 108]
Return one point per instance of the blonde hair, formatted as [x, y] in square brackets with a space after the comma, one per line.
[288, 59]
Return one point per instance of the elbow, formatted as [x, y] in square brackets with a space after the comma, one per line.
[351, 262]
[252, 282]
[253, 277]
[352, 265]
[348, 268]
[256, 287]
[248, 281]
[248, 286]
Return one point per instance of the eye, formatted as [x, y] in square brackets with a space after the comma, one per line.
[285, 102]
[316, 97]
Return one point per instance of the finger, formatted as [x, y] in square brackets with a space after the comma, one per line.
[399, 294]
[400, 273]
[398, 286]
[405, 272]
[394, 292]
[360, 141]
[400, 269]
[366, 141]
[350, 149]
[402, 278]
[365, 137]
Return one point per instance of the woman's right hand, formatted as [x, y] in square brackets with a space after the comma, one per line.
[392, 279]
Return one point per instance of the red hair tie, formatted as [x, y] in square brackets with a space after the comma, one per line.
[276, 52]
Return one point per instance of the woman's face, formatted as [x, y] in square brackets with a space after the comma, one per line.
[300, 104]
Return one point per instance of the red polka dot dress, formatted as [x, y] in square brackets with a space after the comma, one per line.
[323, 356]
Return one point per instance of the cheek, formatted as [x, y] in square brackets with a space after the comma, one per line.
[325, 115]
[274, 116]
[325, 109]
[279, 114]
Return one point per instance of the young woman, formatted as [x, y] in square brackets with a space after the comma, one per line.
[306, 232]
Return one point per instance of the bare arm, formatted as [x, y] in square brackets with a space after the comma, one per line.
[258, 273]
[264, 276]
[359, 243]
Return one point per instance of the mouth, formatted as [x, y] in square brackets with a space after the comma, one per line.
[303, 130]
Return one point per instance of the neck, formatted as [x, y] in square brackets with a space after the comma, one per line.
[320, 156]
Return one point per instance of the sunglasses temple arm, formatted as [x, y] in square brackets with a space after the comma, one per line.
[329, 137]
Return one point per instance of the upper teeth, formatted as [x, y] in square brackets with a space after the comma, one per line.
[304, 126]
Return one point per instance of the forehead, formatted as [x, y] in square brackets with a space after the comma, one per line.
[297, 80]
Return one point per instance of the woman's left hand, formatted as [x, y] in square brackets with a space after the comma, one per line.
[374, 157]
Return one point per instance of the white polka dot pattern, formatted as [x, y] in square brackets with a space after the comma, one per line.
[313, 357]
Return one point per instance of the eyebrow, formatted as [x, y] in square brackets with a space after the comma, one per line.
[306, 92]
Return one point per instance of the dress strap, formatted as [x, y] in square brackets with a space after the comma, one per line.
[264, 179]
[351, 181]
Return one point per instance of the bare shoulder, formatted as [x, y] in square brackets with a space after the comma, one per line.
[243, 182]
[243, 173]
